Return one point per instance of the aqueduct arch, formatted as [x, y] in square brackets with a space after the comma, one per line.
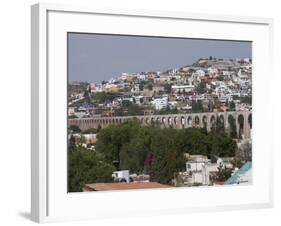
[242, 120]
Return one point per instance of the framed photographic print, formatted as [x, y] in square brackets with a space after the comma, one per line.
[144, 112]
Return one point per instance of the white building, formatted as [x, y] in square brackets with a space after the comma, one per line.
[186, 107]
[138, 99]
[123, 76]
[160, 103]
[141, 77]
[208, 170]
[95, 88]
[135, 88]
[197, 76]
[200, 168]
[121, 175]
[197, 178]
[131, 99]
[71, 111]
[213, 72]
[111, 81]
[182, 88]
[90, 138]
[196, 163]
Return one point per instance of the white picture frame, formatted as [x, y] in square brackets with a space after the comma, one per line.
[49, 198]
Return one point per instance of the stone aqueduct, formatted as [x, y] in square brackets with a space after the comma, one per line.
[176, 121]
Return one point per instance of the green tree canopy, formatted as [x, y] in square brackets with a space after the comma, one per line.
[130, 143]
[167, 88]
[75, 128]
[86, 166]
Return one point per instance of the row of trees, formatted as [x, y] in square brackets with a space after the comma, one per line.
[151, 150]
[159, 152]
[86, 166]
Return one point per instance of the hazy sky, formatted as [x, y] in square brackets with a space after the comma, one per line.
[94, 58]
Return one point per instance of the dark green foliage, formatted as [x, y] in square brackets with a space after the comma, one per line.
[72, 116]
[201, 87]
[168, 110]
[86, 166]
[128, 108]
[86, 93]
[223, 173]
[245, 99]
[128, 144]
[77, 88]
[111, 139]
[222, 146]
[141, 86]
[149, 86]
[75, 129]
[197, 106]
[134, 109]
[193, 141]
[231, 106]
[167, 88]
[92, 130]
[103, 97]
[72, 142]
[220, 78]
[132, 155]
[167, 160]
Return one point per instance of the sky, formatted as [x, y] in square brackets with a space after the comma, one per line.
[97, 57]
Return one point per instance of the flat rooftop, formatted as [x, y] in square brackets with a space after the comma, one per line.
[122, 186]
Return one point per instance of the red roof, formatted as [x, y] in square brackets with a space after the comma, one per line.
[122, 186]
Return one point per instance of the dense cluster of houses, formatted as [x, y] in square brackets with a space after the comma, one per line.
[207, 85]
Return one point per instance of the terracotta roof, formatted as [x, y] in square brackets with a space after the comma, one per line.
[122, 186]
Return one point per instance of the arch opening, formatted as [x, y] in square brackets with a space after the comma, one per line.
[189, 121]
[240, 126]
[250, 120]
[197, 121]
[232, 130]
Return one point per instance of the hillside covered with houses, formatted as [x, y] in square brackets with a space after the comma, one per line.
[207, 85]
[136, 154]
